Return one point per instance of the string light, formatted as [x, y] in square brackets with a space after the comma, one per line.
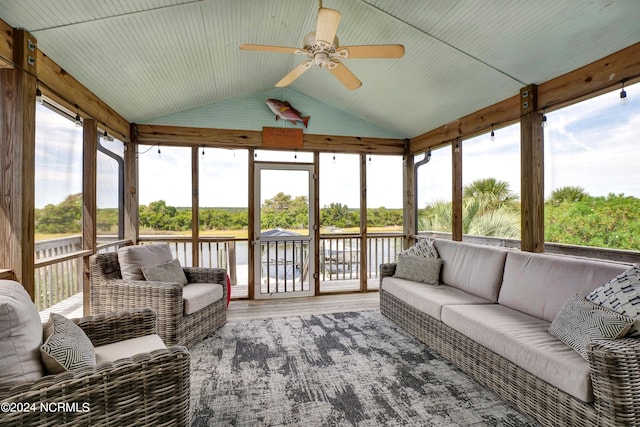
[457, 146]
[334, 157]
[493, 134]
[39, 98]
[623, 96]
[159, 152]
[544, 119]
[78, 119]
[203, 152]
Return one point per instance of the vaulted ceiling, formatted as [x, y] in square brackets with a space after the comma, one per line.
[178, 61]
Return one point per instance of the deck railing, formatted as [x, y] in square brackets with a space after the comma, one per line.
[59, 262]
[59, 268]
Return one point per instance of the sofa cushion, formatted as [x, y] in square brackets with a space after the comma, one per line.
[579, 322]
[525, 341]
[426, 298]
[423, 248]
[622, 294]
[20, 335]
[167, 272]
[197, 296]
[539, 284]
[133, 258]
[128, 348]
[476, 269]
[418, 269]
[66, 347]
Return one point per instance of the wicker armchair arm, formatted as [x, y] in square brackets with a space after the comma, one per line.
[615, 376]
[148, 389]
[118, 326]
[207, 275]
[387, 270]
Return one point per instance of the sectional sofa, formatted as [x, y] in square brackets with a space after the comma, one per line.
[490, 315]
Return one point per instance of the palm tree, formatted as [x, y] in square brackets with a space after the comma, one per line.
[567, 194]
[489, 208]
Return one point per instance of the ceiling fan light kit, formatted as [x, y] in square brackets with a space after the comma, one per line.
[322, 48]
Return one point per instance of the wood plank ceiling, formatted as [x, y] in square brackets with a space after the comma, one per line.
[151, 60]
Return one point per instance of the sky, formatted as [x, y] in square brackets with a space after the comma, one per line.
[593, 144]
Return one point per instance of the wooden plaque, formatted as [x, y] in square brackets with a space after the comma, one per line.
[282, 137]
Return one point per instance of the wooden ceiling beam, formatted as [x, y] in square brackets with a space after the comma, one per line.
[228, 138]
[595, 78]
[64, 89]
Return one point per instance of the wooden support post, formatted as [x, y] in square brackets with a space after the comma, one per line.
[408, 184]
[131, 215]
[17, 145]
[364, 270]
[532, 170]
[89, 203]
[195, 207]
[316, 220]
[251, 227]
[456, 205]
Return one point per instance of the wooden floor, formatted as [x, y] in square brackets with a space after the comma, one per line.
[263, 309]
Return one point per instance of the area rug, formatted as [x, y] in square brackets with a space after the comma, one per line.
[344, 369]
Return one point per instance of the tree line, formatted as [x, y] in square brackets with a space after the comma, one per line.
[490, 208]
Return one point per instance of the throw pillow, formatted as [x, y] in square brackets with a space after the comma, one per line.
[66, 346]
[20, 335]
[418, 269]
[622, 294]
[132, 258]
[579, 322]
[423, 248]
[168, 272]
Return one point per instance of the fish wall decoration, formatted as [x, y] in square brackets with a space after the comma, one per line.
[285, 111]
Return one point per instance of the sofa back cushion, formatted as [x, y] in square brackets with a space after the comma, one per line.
[133, 258]
[20, 335]
[540, 284]
[476, 269]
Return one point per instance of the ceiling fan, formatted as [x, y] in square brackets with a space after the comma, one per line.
[322, 49]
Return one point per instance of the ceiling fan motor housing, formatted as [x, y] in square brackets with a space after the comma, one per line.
[320, 51]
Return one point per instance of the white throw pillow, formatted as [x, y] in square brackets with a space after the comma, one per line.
[20, 335]
[66, 346]
[579, 322]
[168, 272]
[423, 248]
[133, 258]
[418, 269]
[622, 294]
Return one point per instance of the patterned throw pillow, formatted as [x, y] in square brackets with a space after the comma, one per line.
[622, 294]
[423, 248]
[168, 272]
[66, 346]
[579, 322]
[419, 269]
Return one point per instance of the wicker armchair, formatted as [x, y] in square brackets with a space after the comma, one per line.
[147, 389]
[109, 292]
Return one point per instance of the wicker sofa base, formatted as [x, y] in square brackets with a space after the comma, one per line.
[532, 396]
[202, 323]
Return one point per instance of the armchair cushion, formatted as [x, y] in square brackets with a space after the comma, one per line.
[167, 272]
[20, 335]
[133, 258]
[128, 348]
[197, 296]
[66, 346]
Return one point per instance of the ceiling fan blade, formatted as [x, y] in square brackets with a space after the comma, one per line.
[327, 26]
[266, 48]
[346, 77]
[374, 51]
[294, 74]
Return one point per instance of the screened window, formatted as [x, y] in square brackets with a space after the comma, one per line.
[491, 184]
[434, 189]
[592, 179]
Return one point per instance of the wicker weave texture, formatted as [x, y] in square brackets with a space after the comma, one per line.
[109, 292]
[148, 389]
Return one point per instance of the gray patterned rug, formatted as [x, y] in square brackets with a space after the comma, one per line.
[333, 370]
